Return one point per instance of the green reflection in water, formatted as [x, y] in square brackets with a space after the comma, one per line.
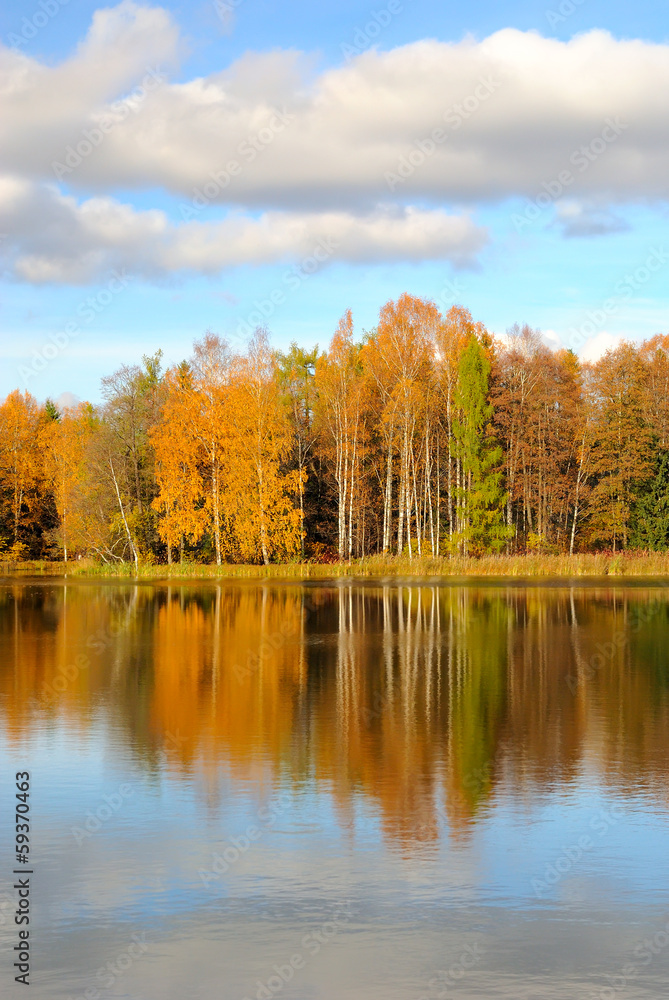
[413, 695]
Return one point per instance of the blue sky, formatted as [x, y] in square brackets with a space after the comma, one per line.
[587, 266]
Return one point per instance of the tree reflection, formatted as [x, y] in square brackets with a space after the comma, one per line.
[428, 701]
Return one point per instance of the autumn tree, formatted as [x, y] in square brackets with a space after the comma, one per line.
[211, 367]
[389, 441]
[296, 372]
[452, 335]
[538, 403]
[260, 495]
[180, 501]
[341, 420]
[622, 459]
[654, 354]
[132, 400]
[399, 359]
[584, 430]
[64, 439]
[20, 469]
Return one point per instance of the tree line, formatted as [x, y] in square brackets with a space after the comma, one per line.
[423, 436]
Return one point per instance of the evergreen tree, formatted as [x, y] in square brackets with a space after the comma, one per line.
[480, 498]
[650, 514]
[51, 411]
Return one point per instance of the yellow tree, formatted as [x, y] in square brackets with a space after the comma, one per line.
[622, 442]
[400, 359]
[382, 405]
[259, 495]
[210, 422]
[20, 465]
[97, 518]
[297, 370]
[655, 357]
[64, 443]
[178, 465]
[340, 389]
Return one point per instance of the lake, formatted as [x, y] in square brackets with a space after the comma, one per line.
[354, 789]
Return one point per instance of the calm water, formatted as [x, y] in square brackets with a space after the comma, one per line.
[339, 791]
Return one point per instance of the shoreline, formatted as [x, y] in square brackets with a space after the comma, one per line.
[622, 565]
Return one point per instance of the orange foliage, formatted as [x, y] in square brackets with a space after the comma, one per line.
[20, 464]
[64, 444]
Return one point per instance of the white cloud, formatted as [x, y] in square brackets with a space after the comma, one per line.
[514, 109]
[54, 238]
[67, 401]
[43, 108]
[350, 124]
[578, 219]
[597, 346]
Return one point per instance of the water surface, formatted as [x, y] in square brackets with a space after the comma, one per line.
[340, 790]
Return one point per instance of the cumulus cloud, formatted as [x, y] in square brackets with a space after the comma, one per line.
[515, 109]
[54, 238]
[597, 346]
[296, 155]
[577, 219]
[67, 401]
[43, 108]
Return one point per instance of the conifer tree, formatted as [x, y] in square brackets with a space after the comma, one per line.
[480, 498]
[650, 513]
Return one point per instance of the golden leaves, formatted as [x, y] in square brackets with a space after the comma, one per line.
[220, 444]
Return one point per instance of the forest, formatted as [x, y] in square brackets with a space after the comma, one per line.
[424, 436]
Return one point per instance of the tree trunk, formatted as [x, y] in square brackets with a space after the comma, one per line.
[263, 523]
[300, 465]
[133, 547]
[388, 497]
[350, 508]
[215, 499]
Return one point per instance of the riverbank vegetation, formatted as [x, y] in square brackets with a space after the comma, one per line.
[424, 446]
[626, 564]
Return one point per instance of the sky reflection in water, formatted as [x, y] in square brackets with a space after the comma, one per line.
[380, 783]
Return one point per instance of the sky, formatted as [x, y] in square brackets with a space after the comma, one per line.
[169, 170]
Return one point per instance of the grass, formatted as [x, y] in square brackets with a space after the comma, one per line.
[628, 564]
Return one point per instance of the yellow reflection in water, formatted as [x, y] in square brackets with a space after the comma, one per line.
[426, 700]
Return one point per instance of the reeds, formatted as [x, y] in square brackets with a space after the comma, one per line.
[627, 564]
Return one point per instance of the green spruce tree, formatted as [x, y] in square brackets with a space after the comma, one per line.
[650, 512]
[480, 497]
[51, 411]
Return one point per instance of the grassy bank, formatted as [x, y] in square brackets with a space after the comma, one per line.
[629, 564]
